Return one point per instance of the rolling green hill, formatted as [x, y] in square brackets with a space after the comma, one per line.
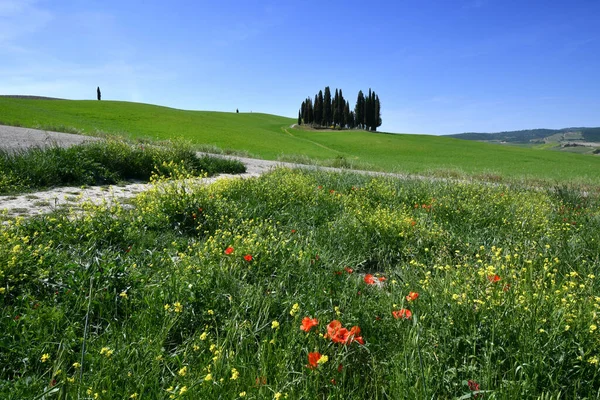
[528, 135]
[271, 137]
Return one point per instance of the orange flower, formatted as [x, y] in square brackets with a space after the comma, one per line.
[493, 278]
[338, 334]
[229, 250]
[403, 313]
[248, 257]
[348, 270]
[382, 278]
[308, 323]
[313, 358]
[369, 279]
[412, 296]
[354, 332]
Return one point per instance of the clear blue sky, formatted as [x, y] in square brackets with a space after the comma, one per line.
[438, 67]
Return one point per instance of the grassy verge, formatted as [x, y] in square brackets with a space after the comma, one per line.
[459, 290]
[104, 162]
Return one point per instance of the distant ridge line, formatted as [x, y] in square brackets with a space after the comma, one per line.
[30, 97]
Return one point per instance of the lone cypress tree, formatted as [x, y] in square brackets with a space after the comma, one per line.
[98, 93]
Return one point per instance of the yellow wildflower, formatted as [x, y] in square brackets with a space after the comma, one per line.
[234, 374]
[593, 360]
[242, 394]
[182, 390]
[45, 357]
[123, 294]
[295, 309]
[323, 359]
[134, 396]
[182, 371]
[275, 325]
[76, 365]
[71, 379]
[208, 377]
[277, 395]
[178, 307]
[593, 328]
[2, 290]
[210, 312]
[204, 335]
[106, 351]
[167, 306]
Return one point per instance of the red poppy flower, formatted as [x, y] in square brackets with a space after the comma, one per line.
[340, 368]
[313, 358]
[248, 257]
[293, 231]
[493, 278]
[348, 270]
[353, 336]
[308, 323]
[412, 296]
[369, 279]
[473, 385]
[338, 334]
[229, 250]
[403, 313]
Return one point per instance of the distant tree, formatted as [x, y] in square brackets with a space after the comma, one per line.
[299, 118]
[378, 120]
[327, 107]
[341, 103]
[318, 110]
[335, 108]
[237, 111]
[346, 122]
[359, 108]
[98, 93]
[321, 109]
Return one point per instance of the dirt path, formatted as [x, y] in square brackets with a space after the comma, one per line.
[15, 139]
[24, 205]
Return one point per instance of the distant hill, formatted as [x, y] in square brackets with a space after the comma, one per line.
[531, 135]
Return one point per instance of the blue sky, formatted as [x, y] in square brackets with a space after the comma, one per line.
[438, 67]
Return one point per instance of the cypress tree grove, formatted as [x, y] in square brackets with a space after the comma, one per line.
[325, 111]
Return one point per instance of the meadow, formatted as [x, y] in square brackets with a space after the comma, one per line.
[271, 137]
[306, 285]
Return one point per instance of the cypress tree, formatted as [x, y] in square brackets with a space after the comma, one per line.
[335, 107]
[321, 109]
[346, 115]
[359, 109]
[327, 107]
[299, 118]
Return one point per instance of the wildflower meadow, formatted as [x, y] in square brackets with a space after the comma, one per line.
[306, 285]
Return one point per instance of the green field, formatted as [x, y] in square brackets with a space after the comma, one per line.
[270, 137]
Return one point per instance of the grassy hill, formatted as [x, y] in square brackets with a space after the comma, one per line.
[270, 137]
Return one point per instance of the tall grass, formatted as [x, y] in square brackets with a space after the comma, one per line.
[104, 162]
[200, 292]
